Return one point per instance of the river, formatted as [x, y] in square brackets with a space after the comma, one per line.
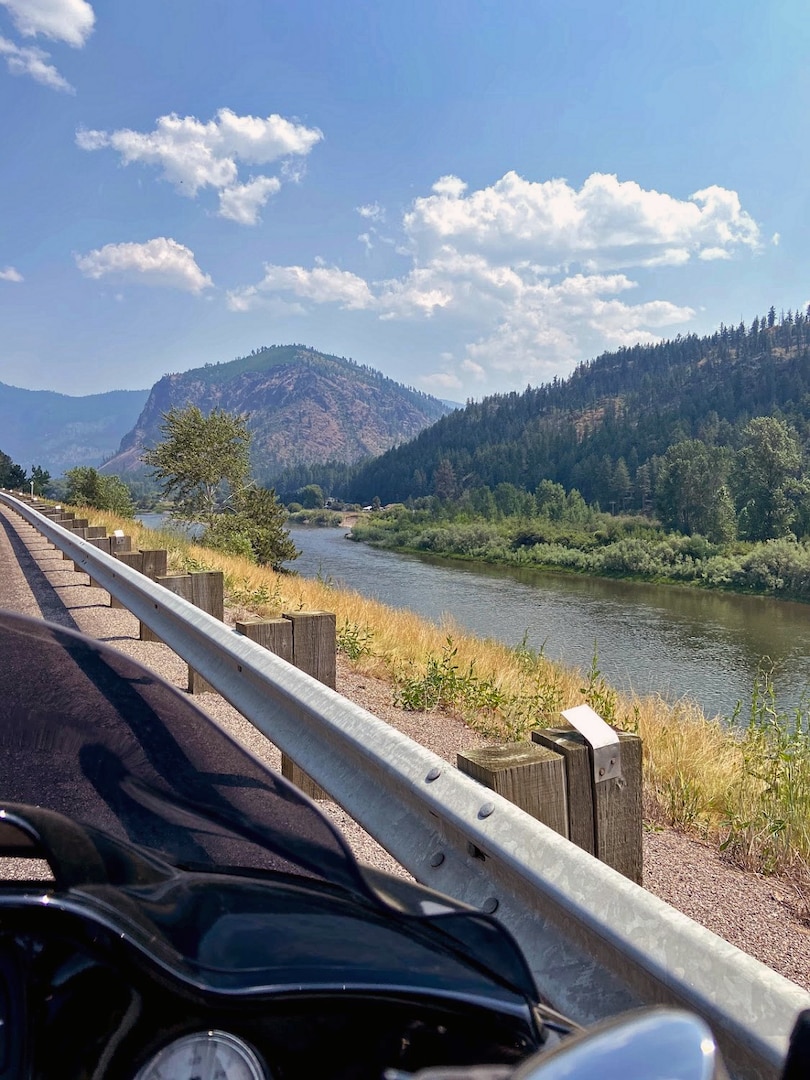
[649, 638]
[667, 640]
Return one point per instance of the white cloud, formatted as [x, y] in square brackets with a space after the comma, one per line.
[161, 262]
[29, 60]
[530, 277]
[321, 285]
[193, 155]
[609, 222]
[242, 202]
[70, 21]
[450, 186]
[710, 254]
[372, 211]
[10, 274]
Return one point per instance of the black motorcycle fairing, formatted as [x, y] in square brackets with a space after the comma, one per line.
[191, 888]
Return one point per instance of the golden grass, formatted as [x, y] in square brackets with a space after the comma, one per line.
[726, 784]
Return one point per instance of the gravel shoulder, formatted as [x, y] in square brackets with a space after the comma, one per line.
[759, 915]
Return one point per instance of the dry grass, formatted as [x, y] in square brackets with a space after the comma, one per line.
[748, 790]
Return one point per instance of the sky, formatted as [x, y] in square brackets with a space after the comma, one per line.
[470, 197]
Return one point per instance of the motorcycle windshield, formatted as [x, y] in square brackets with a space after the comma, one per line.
[89, 733]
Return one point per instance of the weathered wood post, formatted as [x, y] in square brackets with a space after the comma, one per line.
[154, 566]
[530, 776]
[206, 590]
[120, 548]
[306, 639]
[276, 635]
[603, 772]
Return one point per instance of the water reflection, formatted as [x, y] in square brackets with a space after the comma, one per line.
[650, 638]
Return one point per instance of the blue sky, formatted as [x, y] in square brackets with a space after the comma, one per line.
[470, 197]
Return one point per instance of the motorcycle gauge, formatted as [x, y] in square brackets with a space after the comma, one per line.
[205, 1055]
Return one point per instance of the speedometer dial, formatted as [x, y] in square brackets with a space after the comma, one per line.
[205, 1055]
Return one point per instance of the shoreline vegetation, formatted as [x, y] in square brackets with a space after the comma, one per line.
[603, 545]
[741, 783]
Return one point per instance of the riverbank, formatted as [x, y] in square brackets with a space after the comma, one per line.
[632, 548]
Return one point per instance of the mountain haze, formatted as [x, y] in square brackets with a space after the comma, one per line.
[304, 406]
[57, 431]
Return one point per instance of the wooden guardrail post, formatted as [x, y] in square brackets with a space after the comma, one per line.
[604, 814]
[314, 636]
[530, 776]
[206, 590]
[276, 635]
[306, 639]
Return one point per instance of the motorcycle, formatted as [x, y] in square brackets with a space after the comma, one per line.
[170, 909]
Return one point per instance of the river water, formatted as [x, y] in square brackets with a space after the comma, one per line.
[649, 638]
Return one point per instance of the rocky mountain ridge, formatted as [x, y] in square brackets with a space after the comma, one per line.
[303, 406]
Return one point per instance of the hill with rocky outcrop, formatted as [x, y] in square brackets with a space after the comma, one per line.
[303, 406]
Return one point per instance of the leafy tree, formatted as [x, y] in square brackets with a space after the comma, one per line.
[86, 486]
[11, 475]
[768, 479]
[311, 497]
[204, 464]
[255, 529]
[691, 492]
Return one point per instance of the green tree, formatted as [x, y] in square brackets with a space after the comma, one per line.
[11, 474]
[311, 497]
[203, 463]
[254, 529]
[691, 493]
[768, 479]
[86, 486]
[41, 478]
[444, 480]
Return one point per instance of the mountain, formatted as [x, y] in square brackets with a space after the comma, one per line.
[57, 431]
[304, 407]
[603, 429]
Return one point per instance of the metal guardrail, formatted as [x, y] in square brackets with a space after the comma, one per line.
[597, 943]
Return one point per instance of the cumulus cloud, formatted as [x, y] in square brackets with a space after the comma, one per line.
[70, 21]
[193, 154]
[532, 276]
[161, 262]
[242, 202]
[321, 285]
[10, 274]
[32, 61]
[607, 222]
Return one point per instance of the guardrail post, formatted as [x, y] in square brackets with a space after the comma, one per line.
[604, 817]
[206, 590]
[314, 636]
[121, 545]
[530, 776]
[307, 640]
[276, 635]
[155, 567]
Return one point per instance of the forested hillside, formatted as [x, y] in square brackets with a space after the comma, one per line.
[605, 429]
